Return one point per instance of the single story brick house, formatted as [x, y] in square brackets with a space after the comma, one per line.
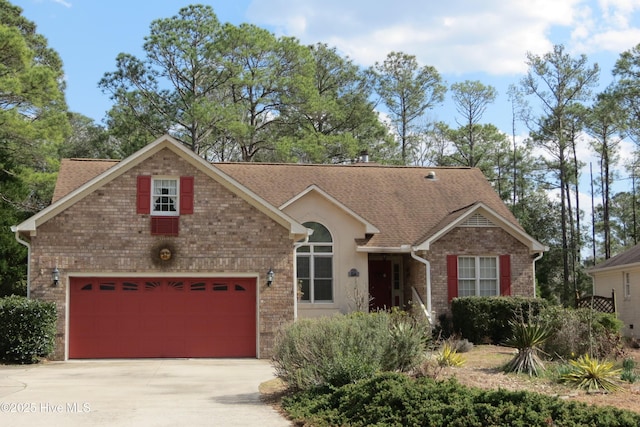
[620, 276]
[163, 254]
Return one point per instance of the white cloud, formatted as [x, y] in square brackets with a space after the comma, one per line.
[456, 36]
[63, 3]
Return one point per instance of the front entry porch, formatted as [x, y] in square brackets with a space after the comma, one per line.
[386, 284]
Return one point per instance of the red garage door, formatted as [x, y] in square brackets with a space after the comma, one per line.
[151, 317]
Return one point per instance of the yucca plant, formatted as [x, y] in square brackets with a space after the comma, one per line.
[592, 375]
[449, 356]
[527, 338]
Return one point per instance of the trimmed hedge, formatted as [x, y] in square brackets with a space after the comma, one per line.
[485, 320]
[28, 329]
[393, 399]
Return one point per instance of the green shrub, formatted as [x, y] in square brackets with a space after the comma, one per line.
[581, 331]
[392, 399]
[629, 371]
[484, 320]
[28, 329]
[343, 349]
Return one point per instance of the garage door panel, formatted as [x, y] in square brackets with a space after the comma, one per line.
[155, 317]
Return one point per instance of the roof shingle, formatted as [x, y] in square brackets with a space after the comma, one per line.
[402, 202]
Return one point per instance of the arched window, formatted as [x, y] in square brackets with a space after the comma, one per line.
[315, 265]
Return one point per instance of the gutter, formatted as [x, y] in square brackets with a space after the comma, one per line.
[427, 265]
[25, 243]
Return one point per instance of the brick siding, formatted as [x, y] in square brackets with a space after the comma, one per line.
[476, 241]
[102, 234]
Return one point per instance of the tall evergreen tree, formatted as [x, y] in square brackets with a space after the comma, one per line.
[408, 91]
[558, 82]
[33, 121]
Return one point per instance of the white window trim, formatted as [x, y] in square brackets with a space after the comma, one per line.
[477, 275]
[153, 195]
[626, 284]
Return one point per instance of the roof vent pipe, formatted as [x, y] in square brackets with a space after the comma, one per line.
[364, 156]
[431, 175]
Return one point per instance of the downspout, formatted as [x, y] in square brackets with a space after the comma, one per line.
[427, 265]
[295, 273]
[25, 243]
[534, 271]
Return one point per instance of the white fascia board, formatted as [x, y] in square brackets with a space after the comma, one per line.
[624, 267]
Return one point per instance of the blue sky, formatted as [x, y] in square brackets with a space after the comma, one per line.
[464, 39]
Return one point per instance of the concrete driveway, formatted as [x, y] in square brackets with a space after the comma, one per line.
[150, 392]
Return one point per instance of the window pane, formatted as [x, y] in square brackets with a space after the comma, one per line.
[488, 268]
[305, 289]
[322, 267]
[488, 288]
[322, 248]
[322, 290]
[466, 288]
[466, 268]
[303, 265]
[320, 232]
[304, 249]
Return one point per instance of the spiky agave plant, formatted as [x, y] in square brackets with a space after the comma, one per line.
[592, 374]
[527, 339]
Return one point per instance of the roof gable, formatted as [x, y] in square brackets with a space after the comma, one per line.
[467, 217]
[111, 172]
[369, 228]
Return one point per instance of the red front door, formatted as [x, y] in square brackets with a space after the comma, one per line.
[160, 317]
[380, 285]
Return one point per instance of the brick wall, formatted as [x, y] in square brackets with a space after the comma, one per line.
[102, 234]
[477, 241]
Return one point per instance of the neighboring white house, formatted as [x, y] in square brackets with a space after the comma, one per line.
[621, 274]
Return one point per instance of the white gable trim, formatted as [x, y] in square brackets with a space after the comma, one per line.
[482, 209]
[622, 267]
[165, 142]
[369, 228]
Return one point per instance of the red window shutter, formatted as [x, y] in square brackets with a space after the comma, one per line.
[505, 275]
[143, 196]
[186, 195]
[164, 225]
[452, 276]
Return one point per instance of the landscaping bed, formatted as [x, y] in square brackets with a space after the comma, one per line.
[482, 369]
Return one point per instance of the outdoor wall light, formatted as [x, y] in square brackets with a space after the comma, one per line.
[55, 276]
[270, 275]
